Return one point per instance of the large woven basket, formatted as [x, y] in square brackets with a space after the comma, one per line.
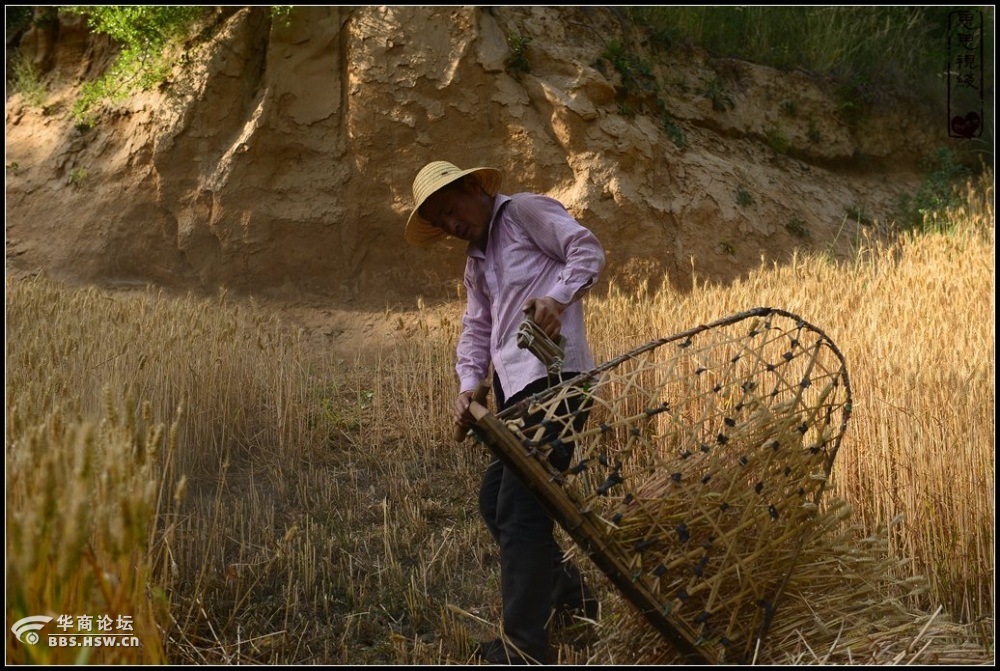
[699, 461]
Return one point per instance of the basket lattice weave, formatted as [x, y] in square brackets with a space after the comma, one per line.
[697, 471]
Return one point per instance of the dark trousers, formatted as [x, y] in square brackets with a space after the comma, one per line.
[533, 576]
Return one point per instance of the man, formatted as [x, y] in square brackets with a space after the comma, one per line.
[526, 255]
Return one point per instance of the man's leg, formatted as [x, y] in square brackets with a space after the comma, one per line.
[570, 593]
[489, 490]
[533, 575]
[526, 558]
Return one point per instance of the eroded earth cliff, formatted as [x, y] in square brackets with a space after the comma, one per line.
[278, 159]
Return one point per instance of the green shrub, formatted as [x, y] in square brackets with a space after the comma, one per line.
[721, 101]
[27, 81]
[142, 32]
[874, 52]
[518, 60]
[636, 73]
[813, 133]
[778, 141]
[937, 192]
[797, 228]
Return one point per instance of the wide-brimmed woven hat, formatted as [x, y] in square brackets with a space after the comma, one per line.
[431, 178]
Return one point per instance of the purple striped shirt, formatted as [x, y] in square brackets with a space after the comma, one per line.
[535, 249]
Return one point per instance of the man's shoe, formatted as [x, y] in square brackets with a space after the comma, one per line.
[588, 607]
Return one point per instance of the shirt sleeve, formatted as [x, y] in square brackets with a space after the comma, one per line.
[561, 236]
[473, 351]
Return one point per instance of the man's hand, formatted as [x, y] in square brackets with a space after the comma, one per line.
[464, 418]
[463, 415]
[547, 313]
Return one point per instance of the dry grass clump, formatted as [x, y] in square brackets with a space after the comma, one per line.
[191, 464]
[841, 606]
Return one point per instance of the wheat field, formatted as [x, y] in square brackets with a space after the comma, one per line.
[192, 466]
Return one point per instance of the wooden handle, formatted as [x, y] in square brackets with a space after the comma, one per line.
[478, 410]
[478, 397]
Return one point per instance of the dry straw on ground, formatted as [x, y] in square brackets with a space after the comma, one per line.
[191, 463]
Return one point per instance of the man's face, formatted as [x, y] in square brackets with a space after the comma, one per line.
[462, 210]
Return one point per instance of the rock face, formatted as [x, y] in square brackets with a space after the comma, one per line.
[278, 159]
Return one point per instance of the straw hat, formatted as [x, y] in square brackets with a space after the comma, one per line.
[431, 178]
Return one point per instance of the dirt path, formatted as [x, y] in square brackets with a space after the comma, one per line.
[361, 333]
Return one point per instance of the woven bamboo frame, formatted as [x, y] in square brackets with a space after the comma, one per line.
[698, 472]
